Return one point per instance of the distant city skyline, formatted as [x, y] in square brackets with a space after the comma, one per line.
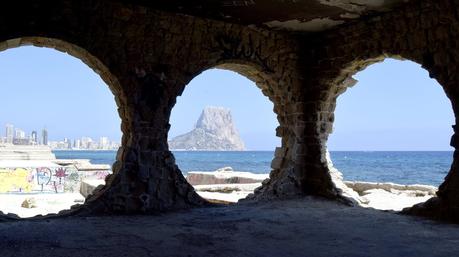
[17, 136]
[21, 137]
[84, 143]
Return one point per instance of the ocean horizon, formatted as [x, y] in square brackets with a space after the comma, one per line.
[403, 167]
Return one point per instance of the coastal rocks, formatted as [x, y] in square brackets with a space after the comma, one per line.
[224, 175]
[226, 193]
[214, 130]
[390, 196]
[228, 186]
[29, 203]
[225, 184]
[381, 196]
[394, 200]
[420, 190]
[88, 186]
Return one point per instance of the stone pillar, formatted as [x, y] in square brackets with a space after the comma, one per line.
[446, 205]
[146, 178]
[298, 166]
[287, 168]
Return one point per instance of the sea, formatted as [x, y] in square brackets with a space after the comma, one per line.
[403, 167]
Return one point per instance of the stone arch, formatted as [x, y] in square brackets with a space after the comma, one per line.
[276, 86]
[99, 68]
[256, 74]
[262, 80]
[341, 83]
[78, 52]
[266, 82]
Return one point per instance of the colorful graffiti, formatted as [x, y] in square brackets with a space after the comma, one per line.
[19, 179]
[45, 179]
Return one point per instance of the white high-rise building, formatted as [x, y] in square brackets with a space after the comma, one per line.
[9, 133]
[67, 143]
[86, 142]
[34, 137]
[77, 144]
[20, 134]
[44, 135]
[104, 143]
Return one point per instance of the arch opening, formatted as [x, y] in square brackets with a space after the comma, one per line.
[391, 136]
[223, 133]
[61, 132]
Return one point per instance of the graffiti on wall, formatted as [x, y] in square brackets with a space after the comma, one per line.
[44, 179]
[17, 179]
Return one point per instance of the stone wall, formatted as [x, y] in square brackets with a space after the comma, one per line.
[147, 57]
[425, 32]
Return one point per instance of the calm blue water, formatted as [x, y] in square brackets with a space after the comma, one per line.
[399, 167]
[96, 157]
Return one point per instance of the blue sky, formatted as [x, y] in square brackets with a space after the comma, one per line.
[43, 87]
[394, 106]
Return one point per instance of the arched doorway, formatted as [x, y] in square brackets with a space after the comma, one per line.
[391, 135]
[223, 135]
[67, 143]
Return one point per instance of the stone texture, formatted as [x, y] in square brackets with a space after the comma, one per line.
[421, 31]
[147, 56]
[136, 51]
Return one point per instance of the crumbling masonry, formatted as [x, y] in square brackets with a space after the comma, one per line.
[147, 53]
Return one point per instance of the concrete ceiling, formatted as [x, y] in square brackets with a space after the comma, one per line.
[289, 15]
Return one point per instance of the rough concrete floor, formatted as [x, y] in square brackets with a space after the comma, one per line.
[306, 227]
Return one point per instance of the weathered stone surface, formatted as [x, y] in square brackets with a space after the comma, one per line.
[417, 32]
[223, 176]
[147, 56]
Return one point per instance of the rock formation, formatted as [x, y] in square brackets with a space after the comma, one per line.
[214, 131]
[224, 175]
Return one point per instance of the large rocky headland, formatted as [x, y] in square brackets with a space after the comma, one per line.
[214, 131]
